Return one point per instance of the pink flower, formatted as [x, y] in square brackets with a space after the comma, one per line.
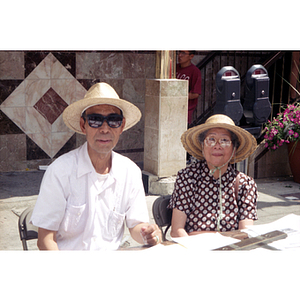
[296, 135]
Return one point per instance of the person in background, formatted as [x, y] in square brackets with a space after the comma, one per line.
[210, 195]
[88, 194]
[187, 71]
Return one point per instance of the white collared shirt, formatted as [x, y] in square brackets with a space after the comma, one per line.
[89, 214]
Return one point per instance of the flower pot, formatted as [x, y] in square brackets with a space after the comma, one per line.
[294, 159]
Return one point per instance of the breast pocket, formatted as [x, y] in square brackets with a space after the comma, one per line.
[115, 223]
[75, 219]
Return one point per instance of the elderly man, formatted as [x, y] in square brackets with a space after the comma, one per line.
[87, 194]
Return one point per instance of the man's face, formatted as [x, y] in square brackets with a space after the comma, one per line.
[184, 57]
[101, 140]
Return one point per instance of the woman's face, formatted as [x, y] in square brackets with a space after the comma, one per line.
[217, 155]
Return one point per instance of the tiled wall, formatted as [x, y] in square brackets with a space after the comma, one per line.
[35, 87]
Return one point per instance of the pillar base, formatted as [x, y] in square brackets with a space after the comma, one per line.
[155, 185]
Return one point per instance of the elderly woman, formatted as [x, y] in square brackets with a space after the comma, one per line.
[210, 195]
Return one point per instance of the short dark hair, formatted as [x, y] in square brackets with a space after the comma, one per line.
[192, 52]
[83, 115]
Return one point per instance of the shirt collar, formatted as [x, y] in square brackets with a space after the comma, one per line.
[85, 165]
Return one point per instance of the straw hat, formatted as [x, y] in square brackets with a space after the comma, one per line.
[191, 143]
[100, 93]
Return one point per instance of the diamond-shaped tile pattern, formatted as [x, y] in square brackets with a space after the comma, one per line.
[36, 105]
[50, 106]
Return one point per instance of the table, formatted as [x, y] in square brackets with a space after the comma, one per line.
[245, 243]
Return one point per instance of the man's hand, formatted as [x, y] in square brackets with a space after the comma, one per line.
[146, 234]
[151, 235]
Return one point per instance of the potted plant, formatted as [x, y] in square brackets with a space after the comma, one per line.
[285, 129]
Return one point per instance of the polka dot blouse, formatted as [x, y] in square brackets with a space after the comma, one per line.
[196, 193]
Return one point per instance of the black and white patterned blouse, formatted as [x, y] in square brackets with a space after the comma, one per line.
[196, 193]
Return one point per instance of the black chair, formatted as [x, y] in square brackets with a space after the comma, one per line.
[162, 215]
[27, 231]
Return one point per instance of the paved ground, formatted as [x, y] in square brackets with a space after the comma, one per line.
[18, 190]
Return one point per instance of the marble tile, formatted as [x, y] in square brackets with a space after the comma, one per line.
[68, 89]
[43, 69]
[32, 59]
[150, 62]
[68, 60]
[111, 65]
[12, 65]
[24, 109]
[69, 145]
[59, 139]
[88, 65]
[33, 151]
[134, 65]
[36, 123]
[58, 71]
[43, 141]
[7, 87]
[26, 76]
[16, 98]
[34, 90]
[59, 125]
[7, 126]
[87, 83]
[17, 115]
[134, 90]
[50, 106]
[12, 152]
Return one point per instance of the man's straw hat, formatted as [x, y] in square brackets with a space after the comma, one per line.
[191, 143]
[100, 93]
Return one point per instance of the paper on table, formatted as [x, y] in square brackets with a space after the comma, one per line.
[205, 241]
[289, 224]
[286, 223]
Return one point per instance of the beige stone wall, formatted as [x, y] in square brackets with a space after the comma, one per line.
[165, 122]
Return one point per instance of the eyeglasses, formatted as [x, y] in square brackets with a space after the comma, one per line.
[113, 120]
[210, 141]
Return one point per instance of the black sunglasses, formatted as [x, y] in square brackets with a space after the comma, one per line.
[113, 120]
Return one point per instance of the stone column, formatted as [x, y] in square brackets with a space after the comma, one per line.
[166, 107]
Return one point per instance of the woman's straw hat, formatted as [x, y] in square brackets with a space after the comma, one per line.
[191, 143]
[100, 93]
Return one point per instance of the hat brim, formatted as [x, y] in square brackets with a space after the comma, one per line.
[72, 113]
[191, 143]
